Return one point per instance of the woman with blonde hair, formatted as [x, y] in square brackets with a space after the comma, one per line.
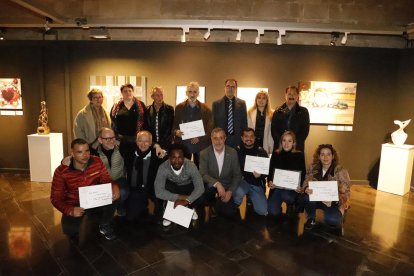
[286, 157]
[259, 118]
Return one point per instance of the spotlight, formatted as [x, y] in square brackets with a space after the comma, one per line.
[344, 38]
[279, 38]
[47, 24]
[183, 38]
[238, 36]
[207, 34]
[334, 38]
[257, 40]
[101, 33]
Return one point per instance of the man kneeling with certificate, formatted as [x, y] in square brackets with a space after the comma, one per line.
[84, 171]
[179, 180]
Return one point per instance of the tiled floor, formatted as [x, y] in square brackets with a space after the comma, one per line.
[379, 240]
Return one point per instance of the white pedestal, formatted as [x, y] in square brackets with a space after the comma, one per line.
[45, 155]
[395, 169]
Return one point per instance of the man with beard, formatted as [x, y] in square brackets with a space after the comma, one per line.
[189, 111]
[179, 180]
[142, 165]
[291, 116]
[253, 184]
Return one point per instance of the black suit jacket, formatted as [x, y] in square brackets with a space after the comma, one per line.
[165, 123]
[299, 124]
[239, 119]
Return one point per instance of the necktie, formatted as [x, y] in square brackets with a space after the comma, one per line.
[230, 118]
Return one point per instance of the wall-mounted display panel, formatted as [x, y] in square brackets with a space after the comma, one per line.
[11, 102]
[331, 103]
[110, 86]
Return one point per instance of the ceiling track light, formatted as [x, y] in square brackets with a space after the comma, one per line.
[82, 22]
[207, 34]
[47, 24]
[279, 38]
[101, 33]
[238, 36]
[185, 30]
[259, 33]
[344, 38]
[334, 38]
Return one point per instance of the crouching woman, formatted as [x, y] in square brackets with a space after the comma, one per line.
[325, 167]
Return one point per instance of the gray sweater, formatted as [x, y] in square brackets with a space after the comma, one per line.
[189, 174]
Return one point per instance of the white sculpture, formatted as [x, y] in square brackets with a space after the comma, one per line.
[399, 136]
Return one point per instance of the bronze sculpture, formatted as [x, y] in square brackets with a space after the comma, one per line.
[43, 127]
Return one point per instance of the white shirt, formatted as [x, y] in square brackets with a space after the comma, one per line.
[220, 159]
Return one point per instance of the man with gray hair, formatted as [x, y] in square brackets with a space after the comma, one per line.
[159, 119]
[189, 111]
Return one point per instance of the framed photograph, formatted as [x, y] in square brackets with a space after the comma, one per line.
[329, 103]
[181, 96]
[11, 102]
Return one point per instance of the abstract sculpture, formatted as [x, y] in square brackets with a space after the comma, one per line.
[399, 136]
[43, 127]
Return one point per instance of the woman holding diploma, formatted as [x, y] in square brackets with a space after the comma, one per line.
[287, 158]
[325, 167]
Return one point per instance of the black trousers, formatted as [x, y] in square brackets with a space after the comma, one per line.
[227, 209]
[71, 225]
[183, 190]
[137, 204]
[196, 157]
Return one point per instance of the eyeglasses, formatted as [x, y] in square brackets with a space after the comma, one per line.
[108, 139]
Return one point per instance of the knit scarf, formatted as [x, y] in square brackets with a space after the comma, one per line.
[139, 164]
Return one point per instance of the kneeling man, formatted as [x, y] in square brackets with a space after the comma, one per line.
[84, 170]
[179, 180]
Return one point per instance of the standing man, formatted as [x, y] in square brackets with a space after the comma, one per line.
[84, 170]
[142, 165]
[188, 111]
[291, 116]
[179, 180]
[91, 118]
[253, 184]
[160, 118]
[220, 169]
[230, 114]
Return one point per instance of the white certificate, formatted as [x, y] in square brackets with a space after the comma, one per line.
[192, 129]
[95, 195]
[323, 191]
[180, 215]
[257, 164]
[286, 179]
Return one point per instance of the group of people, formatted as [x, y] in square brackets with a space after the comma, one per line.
[143, 153]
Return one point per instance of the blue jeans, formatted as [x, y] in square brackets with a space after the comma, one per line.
[256, 193]
[332, 215]
[277, 197]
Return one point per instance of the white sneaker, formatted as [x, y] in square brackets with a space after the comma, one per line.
[166, 222]
[195, 216]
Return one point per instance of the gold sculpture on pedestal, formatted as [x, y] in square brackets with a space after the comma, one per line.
[43, 127]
